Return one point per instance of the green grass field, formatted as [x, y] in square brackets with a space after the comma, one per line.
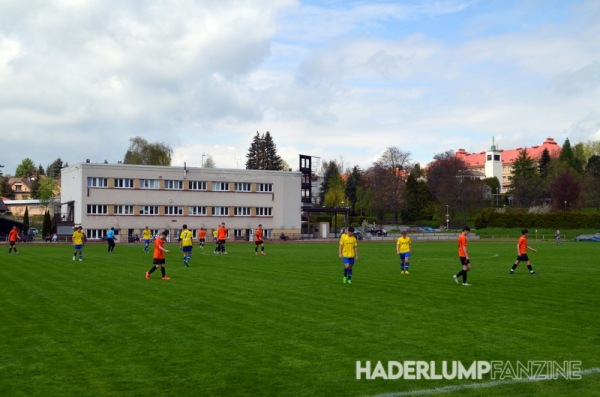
[284, 324]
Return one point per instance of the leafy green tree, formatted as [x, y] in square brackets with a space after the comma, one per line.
[567, 155]
[54, 169]
[48, 189]
[417, 199]
[592, 181]
[390, 172]
[330, 170]
[336, 193]
[526, 183]
[35, 187]
[364, 202]
[47, 225]
[452, 184]
[40, 170]
[262, 154]
[142, 152]
[5, 189]
[566, 190]
[352, 185]
[26, 169]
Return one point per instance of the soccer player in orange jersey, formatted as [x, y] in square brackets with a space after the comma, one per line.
[258, 240]
[202, 237]
[522, 253]
[463, 255]
[159, 256]
[221, 238]
[13, 236]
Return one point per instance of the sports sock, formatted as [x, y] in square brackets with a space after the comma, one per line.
[464, 277]
[459, 273]
[406, 265]
[530, 268]
[152, 269]
[345, 272]
[350, 273]
[163, 271]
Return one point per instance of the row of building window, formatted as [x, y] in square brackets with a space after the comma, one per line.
[128, 183]
[96, 234]
[102, 209]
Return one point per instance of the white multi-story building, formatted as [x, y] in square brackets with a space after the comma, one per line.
[131, 197]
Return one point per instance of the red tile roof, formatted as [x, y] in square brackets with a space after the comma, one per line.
[508, 156]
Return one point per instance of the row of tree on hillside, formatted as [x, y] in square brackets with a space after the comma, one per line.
[401, 191]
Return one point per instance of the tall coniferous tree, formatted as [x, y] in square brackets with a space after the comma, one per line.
[26, 220]
[252, 155]
[545, 160]
[272, 159]
[262, 154]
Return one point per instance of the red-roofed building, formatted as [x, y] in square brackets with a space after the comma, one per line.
[498, 163]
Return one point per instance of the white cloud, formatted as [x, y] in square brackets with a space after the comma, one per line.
[344, 80]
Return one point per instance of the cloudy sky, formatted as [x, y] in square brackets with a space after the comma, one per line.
[336, 79]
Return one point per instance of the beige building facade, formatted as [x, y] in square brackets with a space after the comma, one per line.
[131, 197]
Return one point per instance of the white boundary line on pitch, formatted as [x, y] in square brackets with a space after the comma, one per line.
[450, 389]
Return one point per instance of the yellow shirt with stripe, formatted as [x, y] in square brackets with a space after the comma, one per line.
[186, 237]
[348, 244]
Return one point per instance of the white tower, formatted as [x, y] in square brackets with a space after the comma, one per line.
[493, 163]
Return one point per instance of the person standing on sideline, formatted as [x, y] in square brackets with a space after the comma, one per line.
[186, 243]
[221, 238]
[216, 239]
[258, 240]
[13, 236]
[77, 240]
[557, 236]
[463, 256]
[110, 238]
[348, 251]
[202, 237]
[147, 237]
[403, 249]
[522, 253]
[159, 256]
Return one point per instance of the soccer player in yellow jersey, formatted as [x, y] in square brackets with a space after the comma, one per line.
[147, 237]
[186, 243]
[77, 240]
[403, 249]
[348, 251]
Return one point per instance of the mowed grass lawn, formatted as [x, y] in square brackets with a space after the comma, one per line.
[284, 324]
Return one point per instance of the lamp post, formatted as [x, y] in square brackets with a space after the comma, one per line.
[447, 217]
[565, 205]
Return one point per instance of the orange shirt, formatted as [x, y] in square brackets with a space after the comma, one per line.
[522, 244]
[222, 233]
[462, 244]
[158, 244]
[259, 234]
[12, 236]
[202, 234]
